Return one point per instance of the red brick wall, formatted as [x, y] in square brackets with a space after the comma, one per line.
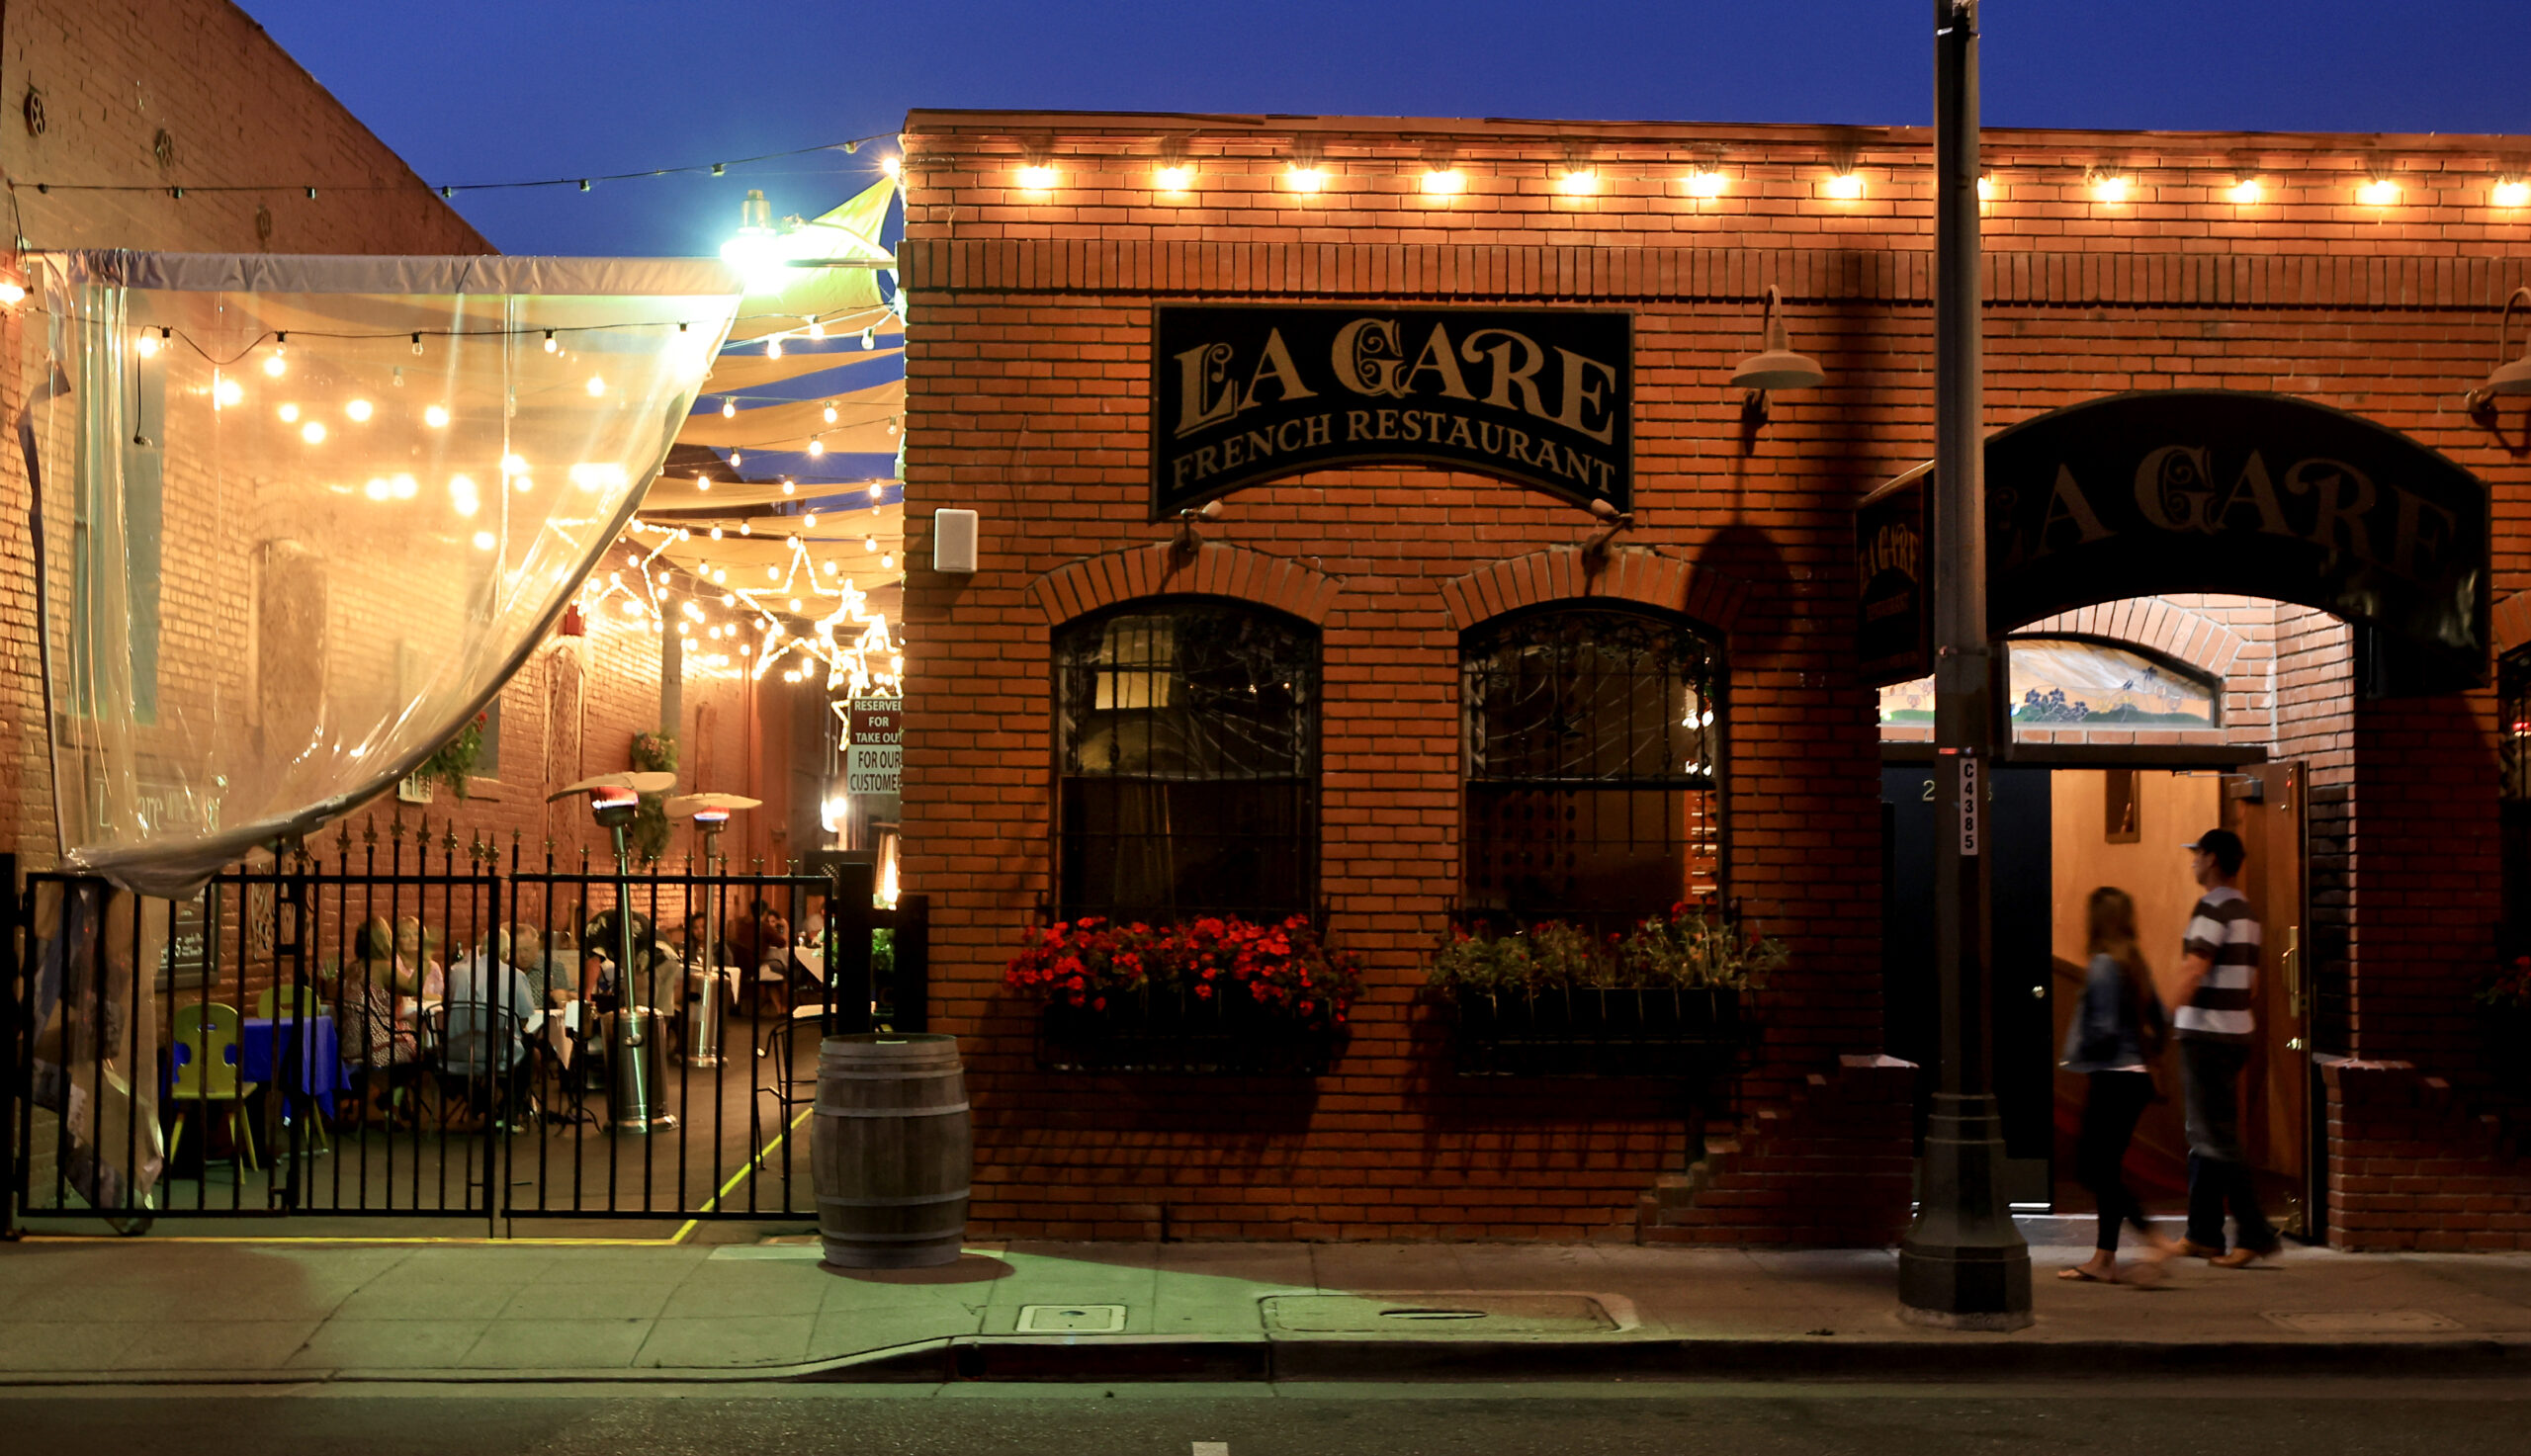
[1028, 361]
[2415, 1169]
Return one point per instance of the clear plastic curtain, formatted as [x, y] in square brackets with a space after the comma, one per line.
[298, 517]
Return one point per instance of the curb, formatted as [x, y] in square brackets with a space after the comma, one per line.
[1073, 1359]
[1063, 1360]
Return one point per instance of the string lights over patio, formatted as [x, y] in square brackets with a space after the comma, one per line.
[760, 629]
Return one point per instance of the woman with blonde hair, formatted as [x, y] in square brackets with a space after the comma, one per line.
[2113, 1039]
[377, 1040]
[422, 973]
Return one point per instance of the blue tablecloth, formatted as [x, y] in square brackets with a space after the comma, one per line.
[322, 1066]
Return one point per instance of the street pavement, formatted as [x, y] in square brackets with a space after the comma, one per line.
[159, 1310]
[2059, 1418]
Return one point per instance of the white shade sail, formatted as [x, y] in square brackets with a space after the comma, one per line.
[685, 493]
[300, 517]
[860, 423]
[737, 374]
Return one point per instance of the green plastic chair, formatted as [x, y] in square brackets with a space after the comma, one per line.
[205, 1041]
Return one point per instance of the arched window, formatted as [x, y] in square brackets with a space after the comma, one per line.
[1186, 750]
[1594, 766]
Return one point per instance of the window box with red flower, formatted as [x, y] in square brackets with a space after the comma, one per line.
[1667, 999]
[1214, 995]
[2506, 1022]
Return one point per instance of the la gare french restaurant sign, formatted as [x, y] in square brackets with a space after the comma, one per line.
[1539, 397]
[2205, 490]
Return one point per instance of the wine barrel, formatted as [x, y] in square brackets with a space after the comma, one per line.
[892, 1150]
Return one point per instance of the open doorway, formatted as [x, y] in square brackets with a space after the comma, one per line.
[2126, 744]
[2124, 827]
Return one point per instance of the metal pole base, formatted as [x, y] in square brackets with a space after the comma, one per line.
[1963, 1266]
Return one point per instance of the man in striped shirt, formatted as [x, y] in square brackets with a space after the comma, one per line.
[2211, 1021]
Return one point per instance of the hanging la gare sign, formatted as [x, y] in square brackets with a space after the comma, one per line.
[1245, 395]
[2206, 490]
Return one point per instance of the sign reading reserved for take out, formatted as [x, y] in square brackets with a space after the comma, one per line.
[874, 758]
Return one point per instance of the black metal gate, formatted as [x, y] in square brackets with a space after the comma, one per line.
[407, 1028]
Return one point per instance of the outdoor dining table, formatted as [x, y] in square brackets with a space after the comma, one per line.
[260, 1047]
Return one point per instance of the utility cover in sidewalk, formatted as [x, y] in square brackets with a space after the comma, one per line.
[1437, 1312]
[779, 1247]
[2362, 1322]
[1072, 1319]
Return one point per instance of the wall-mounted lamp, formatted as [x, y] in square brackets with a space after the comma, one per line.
[1188, 542]
[2511, 376]
[1779, 367]
[1595, 552]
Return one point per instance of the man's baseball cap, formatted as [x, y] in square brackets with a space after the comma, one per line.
[2224, 844]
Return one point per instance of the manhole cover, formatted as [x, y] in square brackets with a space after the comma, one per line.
[1072, 1319]
[2362, 1322]
[1456, 1311]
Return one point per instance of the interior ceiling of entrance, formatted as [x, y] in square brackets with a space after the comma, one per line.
[2181, 669]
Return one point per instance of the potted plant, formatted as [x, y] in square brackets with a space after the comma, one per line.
[1663, 998]
[1214, 994]
[454, 762]
[653, 753]
[2505, 1000]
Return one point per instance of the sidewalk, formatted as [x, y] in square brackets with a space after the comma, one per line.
[147, 1309]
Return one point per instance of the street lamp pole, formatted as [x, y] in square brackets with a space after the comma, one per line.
[1963, 1266]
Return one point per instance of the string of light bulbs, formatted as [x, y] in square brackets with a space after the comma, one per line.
[2375, 181]
[550, 337]
[889, 164]
[869, 661]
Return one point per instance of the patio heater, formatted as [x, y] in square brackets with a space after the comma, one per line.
[636, 1054]
[711, 814]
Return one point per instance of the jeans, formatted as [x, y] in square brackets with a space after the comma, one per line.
[2218, 1176]
[2110, 1108]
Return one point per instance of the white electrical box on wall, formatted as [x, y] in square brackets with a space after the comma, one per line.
[953, 540]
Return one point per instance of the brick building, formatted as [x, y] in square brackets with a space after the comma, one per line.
[2360, 275]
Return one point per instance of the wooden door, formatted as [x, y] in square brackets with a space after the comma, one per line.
[2263, 803]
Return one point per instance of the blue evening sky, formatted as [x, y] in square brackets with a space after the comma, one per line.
[470, 90]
